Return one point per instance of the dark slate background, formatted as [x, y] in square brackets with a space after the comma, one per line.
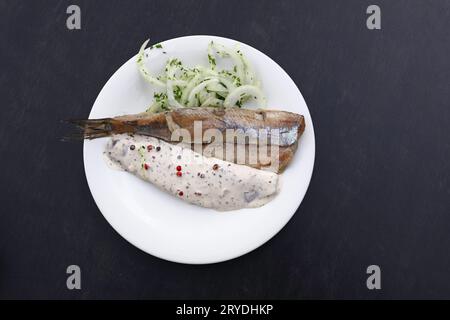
[380, 189]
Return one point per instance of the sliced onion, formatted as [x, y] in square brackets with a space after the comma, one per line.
[143, 70]
[242, 92]
[212, 102]
[205, 86]
[171, 71]
[197, 89]
[226, 52]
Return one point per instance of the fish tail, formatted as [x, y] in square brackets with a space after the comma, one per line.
[91, 128]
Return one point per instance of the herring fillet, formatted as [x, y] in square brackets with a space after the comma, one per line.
[161, 125]
[252, 122]
[265, 161]
[192, 177]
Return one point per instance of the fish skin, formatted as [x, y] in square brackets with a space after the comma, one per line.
[162, 125]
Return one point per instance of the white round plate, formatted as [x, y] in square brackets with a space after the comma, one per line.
[163, 225]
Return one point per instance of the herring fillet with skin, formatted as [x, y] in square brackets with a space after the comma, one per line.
[287, 126]
[162, 125]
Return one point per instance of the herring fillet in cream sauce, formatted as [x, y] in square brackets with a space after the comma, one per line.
[207, 182]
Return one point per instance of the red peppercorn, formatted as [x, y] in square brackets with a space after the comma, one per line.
[146, 166]
[178, 168]
[180, 193]
[179, 173]
[149, 147]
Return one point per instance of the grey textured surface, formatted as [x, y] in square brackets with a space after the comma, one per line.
[380, 190]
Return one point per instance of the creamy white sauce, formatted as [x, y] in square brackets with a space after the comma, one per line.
[207, 182]
[112, 164]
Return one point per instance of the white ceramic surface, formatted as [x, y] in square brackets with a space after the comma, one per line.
[165, 226]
